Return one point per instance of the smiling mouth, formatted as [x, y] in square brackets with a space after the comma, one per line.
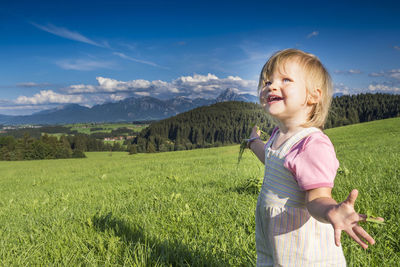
[274, 98]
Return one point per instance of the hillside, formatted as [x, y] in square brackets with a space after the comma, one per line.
[215, 125]
[180, 208]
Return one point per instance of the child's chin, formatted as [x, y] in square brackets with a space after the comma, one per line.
[271, 110]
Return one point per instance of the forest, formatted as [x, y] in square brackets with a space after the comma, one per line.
[51, 147]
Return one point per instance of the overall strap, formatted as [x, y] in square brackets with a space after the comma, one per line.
[271, 138]
[296, 138]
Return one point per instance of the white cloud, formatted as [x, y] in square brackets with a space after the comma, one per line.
[372, 88]
[115, 97]
[122, 55]
[31, 84]
[82, 64]
[23, 109]
[81, 88]
[67, 34]
[48, 96]
[341, 88]
[109, 85]
[395, 74]
[376, 74]
[196, 78]
[191, 86]
[20, 107]
[312, 34]
[348, 72]
[383, 88]
[392, 74]
[142, 93]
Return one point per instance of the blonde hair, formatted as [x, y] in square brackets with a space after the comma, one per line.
[316, 77]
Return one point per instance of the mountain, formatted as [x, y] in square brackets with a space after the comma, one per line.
[232, 95]
[72, 113]
[4, 118]
[129, 109]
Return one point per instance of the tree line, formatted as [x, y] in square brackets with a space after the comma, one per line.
[231, 122]
[57, 129]
[51, 147]
[350, 109]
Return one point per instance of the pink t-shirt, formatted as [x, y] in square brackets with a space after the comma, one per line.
[312, 161]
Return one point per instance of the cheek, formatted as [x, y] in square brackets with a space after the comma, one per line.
[263, 97]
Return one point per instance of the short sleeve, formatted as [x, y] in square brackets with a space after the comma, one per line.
[313, 162]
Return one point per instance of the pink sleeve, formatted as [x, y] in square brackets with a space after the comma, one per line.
[313, 162]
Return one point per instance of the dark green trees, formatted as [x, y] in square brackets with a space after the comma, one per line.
[28, 148]
[215, 125]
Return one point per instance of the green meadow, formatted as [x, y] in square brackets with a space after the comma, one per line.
[184, 208]
[85, 128]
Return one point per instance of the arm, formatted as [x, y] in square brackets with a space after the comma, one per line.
[257, 146]
[342, 216]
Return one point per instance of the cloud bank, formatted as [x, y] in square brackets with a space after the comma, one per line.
[384, 88]
[205, 86]
[392, 74]
[48, 96]
[193, 86]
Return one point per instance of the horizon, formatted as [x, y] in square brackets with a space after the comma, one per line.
[71, 52]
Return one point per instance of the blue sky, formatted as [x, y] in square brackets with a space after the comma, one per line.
[89, 52]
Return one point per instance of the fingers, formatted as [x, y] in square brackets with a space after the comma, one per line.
[363, 217]
[256, 131]
[356, 233]
[353, 235]
[351, 199]
[363, 234]
[337, 236]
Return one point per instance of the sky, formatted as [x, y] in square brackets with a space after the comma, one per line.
[54, 53]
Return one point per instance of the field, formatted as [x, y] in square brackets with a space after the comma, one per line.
[180, 208]
[106, 127]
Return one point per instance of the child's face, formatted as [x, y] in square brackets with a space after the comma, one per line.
[285, 94]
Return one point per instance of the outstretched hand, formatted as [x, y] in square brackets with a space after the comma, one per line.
[344, 218]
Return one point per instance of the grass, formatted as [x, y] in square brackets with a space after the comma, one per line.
[180, 208]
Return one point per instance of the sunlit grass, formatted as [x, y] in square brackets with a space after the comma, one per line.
[180, 208]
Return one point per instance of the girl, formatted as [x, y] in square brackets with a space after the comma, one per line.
[298, 222]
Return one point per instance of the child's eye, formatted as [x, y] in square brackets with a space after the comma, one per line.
[268, 83]
[286, 80]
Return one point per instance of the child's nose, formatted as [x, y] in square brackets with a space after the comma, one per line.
[272, 86]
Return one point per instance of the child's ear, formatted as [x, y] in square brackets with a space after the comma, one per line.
[314, 97]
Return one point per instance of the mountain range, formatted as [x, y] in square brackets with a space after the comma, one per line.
[130, 109]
